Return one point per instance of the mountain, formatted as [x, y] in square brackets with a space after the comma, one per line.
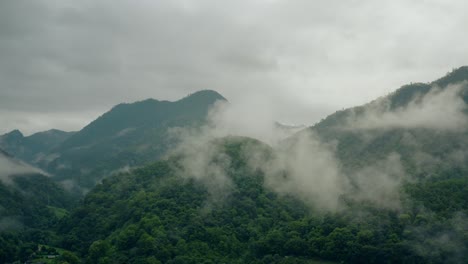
[123, 119]
[33, 147]
[127, 135]
[386, 182]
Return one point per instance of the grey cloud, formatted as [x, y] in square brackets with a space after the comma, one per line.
[68, 56]
[309, 170]
[42, 121]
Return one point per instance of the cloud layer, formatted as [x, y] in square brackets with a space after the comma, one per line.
[66, 62]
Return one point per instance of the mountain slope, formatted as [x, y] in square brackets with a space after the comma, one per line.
[145, 114]
[127, 135]
[222, 210]
[423, 123]
[159, 214]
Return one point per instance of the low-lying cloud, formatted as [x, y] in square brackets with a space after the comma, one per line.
[201, 158]
[9, 168]
[301, 166]
[304, 166]
[380, 182]
[307, 169]
[439, 109]
[229, 119]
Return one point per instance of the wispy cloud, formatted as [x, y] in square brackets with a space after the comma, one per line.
[441, 109]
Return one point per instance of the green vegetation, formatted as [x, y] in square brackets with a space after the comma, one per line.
[31, 205]
[58, 212]
[156, 215]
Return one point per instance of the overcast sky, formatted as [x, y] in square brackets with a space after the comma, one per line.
[63, 63]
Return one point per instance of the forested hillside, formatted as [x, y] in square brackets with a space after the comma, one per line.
[162, 214]
[31, 205]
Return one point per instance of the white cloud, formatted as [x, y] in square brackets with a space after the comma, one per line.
[439, 109]
[9, 168]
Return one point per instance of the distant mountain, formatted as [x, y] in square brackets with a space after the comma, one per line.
[127, 135]
[125, 119]
[33, 147]
[20, 178]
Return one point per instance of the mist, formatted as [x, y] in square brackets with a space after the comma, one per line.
[441, 109]
[201, 158]
[9, 168]
[252, 118]
[301, 165]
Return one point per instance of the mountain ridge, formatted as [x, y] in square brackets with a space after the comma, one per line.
[129, 134]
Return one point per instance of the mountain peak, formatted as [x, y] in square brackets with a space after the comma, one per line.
[14, 134]
[203, 95]
[146, 115]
